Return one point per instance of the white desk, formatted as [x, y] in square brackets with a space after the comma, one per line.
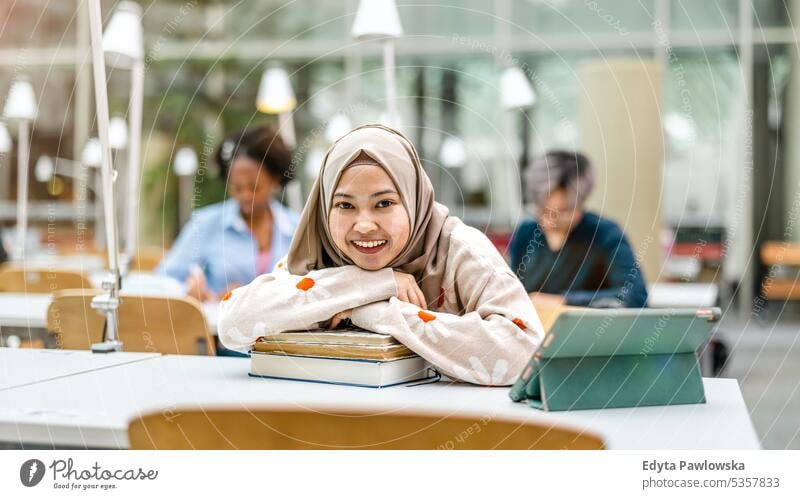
[24, 310]
[211, 311]
[143, 283]
[30, 310]
[93, 409]
[686, 295]
[25, 366]
[680, 294]
[80, 262]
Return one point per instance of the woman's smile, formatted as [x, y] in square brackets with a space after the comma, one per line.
[370, 246]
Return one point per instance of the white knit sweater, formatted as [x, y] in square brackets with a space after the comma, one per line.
[483, 329]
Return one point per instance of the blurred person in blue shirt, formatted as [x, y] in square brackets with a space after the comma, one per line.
[567, 255]
[228, 244]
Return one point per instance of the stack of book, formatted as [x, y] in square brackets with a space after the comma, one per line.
[349, 356]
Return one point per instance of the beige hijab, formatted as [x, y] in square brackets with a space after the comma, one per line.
[424, 255]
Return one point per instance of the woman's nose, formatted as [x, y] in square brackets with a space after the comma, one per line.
[365, 226]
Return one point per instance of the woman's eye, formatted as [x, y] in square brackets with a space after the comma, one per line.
[385, 203]
[344, 206]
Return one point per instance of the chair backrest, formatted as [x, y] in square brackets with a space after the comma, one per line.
[15, 279]
[294, 429]
[146, 259]
[780, 253]
[168, 325]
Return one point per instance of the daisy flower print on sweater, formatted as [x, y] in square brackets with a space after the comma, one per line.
[426, 323]
[479, 375]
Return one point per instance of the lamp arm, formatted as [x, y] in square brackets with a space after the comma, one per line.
[107, 303]
[134, 160]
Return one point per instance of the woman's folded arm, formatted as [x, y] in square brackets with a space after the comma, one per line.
[489, 346]
[280, 301]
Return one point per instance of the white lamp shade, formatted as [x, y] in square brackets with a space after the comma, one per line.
[338, 125]
[275, 94]
[122, 38]
[453, 153]
[185, 163]
[118, 133]
[377, 18]
[5, 139]
[44, 168]
[92, 154]
[515, 89]
[21, 103]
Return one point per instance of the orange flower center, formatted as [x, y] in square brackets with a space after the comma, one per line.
[227, 295]
[305, 283]
[520, 323]
[426, 316]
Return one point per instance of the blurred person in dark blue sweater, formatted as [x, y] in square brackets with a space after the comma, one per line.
[566, 254]
[3, 255]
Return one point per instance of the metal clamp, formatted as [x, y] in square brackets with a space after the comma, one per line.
[107, 304]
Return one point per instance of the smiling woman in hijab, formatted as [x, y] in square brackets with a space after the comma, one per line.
[373, 246]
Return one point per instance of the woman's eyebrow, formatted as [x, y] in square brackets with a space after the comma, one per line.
[377, 194]
[383, 193]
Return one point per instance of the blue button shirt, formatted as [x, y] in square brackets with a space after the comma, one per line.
[217, 240]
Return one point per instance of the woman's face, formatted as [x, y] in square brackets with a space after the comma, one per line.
[368, 221]
[250, 185]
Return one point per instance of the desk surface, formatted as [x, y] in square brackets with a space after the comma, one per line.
[30, 310]
[24, 366]
[24, 309]
[80, 262]
[94, 408]
[143, 283]
[682, 294]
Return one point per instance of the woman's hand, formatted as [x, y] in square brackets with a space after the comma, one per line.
[339, 318]
[408, 290]
[197, 287]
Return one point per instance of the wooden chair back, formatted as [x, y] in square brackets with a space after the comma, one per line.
[783, 254]
[294, 429]
[780, 253]
[15, 279]
[169, 325]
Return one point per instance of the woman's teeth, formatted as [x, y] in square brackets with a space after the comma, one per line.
[370, 244]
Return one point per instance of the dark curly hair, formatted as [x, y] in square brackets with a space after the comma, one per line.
[261, 144]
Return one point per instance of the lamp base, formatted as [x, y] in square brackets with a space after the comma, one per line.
[107, 347]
